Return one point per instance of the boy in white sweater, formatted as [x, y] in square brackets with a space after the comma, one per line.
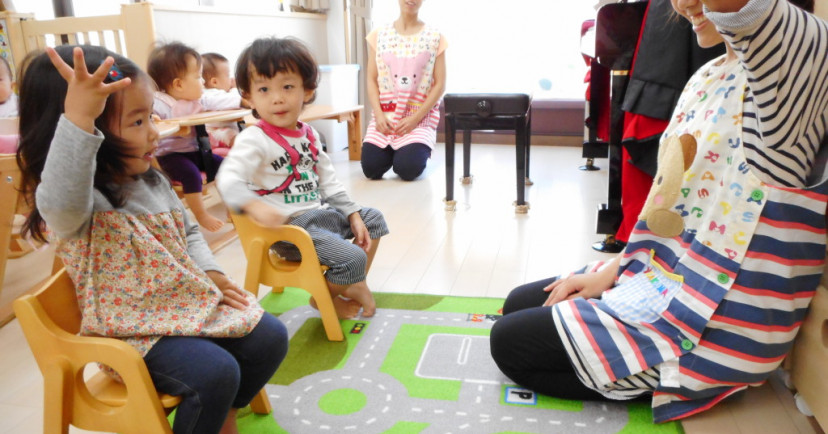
[277, 174]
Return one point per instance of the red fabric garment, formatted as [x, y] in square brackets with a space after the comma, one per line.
[635, 185]
[641, 127]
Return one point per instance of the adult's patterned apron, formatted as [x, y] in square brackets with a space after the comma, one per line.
[715, 309]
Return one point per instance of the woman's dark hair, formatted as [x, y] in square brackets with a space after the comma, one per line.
[42, 96]
[168, 62]
[268, 56]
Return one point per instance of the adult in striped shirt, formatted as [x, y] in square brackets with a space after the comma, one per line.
[695, 311]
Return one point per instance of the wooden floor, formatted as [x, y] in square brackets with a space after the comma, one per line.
[481, 249]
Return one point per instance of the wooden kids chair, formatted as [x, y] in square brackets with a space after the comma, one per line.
[50, 320]
[13, 216]
[10, 198]
[266, 268]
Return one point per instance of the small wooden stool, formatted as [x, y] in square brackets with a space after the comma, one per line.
[488, 111]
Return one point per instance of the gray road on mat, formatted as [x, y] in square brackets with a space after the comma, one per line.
[446, 356]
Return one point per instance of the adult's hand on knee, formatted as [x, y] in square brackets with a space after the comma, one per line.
[590, 285]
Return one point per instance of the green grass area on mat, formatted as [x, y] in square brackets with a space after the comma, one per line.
[280, 302]
[545, 402]
[310, 351]
[390, 300]
[641, 421]
[412, 339]
[252, 423]
[277, 303]
[469, 305]
[406, 428]
[342, 401]
[438, 303]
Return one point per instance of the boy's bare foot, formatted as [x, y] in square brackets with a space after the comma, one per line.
[345, 309]
[209, 222]
[359, 291]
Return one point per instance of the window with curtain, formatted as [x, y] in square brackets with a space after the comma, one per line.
[507, 46]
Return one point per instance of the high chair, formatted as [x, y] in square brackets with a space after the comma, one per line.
[50, 320]
[265, 267]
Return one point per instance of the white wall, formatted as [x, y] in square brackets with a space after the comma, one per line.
[226, 32]
[821, 8]
[336, 32]
[503, 46]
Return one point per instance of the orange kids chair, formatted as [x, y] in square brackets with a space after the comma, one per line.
[50, 319]
[266, 268]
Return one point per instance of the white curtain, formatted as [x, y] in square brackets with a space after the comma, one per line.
[311, 5]
[358, 25]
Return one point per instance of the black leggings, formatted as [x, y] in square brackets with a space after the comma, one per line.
[526, 346]
[408, 162]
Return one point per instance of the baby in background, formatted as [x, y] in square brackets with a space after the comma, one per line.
[217, 84]
[176, 70]
[277, 174]
[8, 99]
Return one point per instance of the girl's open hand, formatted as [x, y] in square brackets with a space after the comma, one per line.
[87, 93]
[234, 296]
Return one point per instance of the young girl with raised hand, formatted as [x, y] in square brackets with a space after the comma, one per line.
[277, 173]
[142, 271]
[728, 251]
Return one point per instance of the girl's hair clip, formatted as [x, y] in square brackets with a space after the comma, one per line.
[115, 73]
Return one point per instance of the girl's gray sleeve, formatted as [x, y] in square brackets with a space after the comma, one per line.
[65, 196]
[198, 248]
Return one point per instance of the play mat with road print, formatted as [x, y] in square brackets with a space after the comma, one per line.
[420, 365]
